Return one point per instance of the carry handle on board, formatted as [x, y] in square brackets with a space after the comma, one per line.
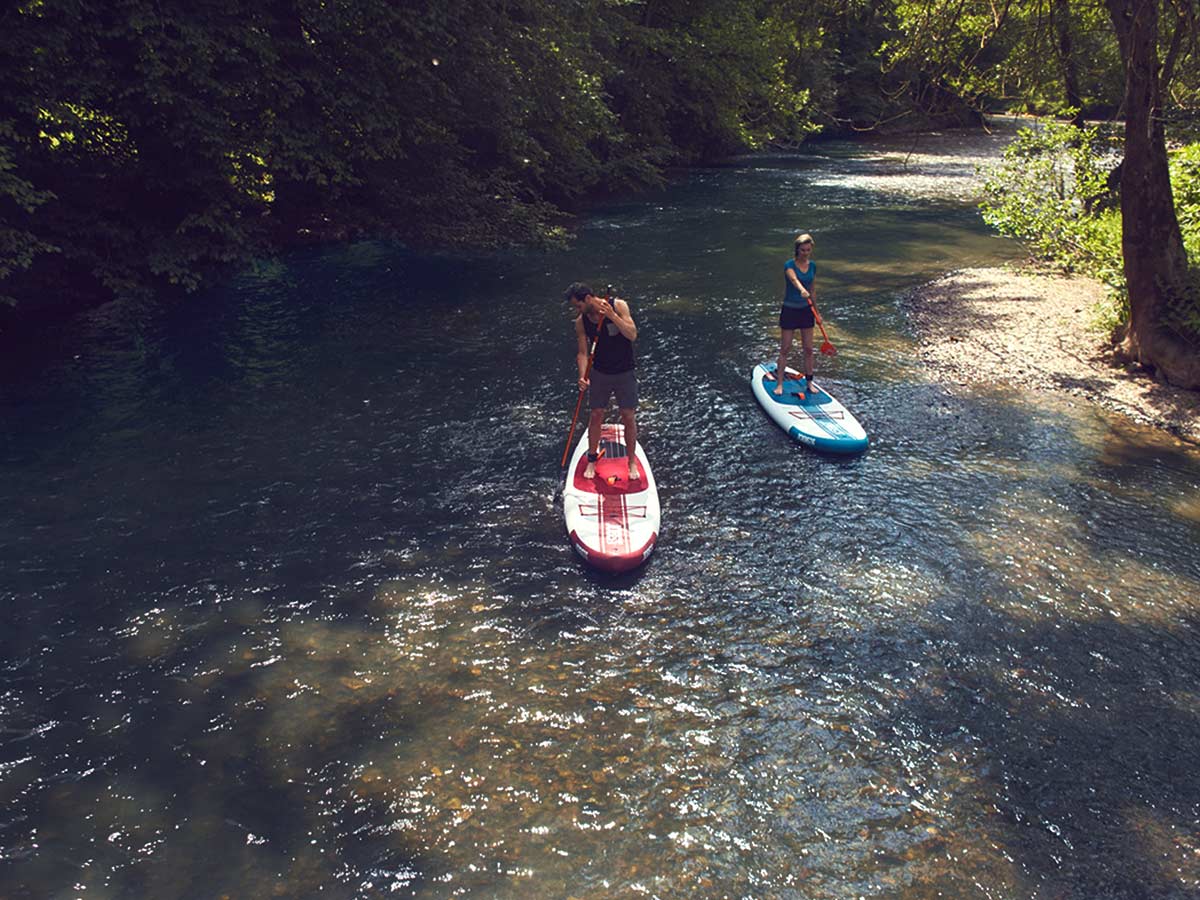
[586, 373]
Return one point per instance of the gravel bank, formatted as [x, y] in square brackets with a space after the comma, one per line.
[1019, 326]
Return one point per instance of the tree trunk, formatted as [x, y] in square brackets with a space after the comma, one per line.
[1060, 13]
[1155, 261]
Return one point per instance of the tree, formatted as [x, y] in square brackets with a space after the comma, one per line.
[144, 143]
[1060, 17]
[1156, 265]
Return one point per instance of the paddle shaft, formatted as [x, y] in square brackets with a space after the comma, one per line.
[820, 324]
[586, 372]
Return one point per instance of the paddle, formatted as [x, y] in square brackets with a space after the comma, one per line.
[827, 348]
[586, 373]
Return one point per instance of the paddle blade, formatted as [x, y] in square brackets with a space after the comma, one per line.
[828, 349]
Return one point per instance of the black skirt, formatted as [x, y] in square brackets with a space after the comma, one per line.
[793, 317]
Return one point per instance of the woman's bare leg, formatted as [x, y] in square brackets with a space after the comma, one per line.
[806, 341]
[785, 344]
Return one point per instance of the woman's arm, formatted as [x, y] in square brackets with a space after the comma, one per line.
[791, 273]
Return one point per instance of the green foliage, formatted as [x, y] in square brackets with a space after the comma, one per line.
[1032, 76]
[145, 143]
[1041, 190]
[941, 43]
[1185, 188]
[151, 141]
[1005, 56]
[698, 80]
[1048, 191]
[18, 199]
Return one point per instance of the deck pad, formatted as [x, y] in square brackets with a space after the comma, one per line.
[612, 472]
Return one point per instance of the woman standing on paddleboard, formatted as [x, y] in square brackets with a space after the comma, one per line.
[607, 327]
[799, 310]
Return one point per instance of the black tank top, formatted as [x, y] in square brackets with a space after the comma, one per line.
[614, 351]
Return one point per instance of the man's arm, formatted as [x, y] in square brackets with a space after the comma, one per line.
[618, 313]
[581, 352]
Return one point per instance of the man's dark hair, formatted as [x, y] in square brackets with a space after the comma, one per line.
[578, 291]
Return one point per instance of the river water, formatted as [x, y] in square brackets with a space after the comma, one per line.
[289, 610]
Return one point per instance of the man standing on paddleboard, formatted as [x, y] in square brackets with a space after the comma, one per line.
[605, 332]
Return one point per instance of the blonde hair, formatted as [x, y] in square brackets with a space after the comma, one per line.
[805, 238]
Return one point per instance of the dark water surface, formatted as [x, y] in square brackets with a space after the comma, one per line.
[289, 610]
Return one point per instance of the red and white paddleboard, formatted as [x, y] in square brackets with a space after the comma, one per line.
[612, 520]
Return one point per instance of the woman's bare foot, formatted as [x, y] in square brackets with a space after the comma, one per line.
[634, 474]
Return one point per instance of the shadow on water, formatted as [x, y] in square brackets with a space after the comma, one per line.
[154, 744]
[1038, 772]
[1051, 692]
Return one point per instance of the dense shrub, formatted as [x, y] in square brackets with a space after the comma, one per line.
[144, 144]
[1185, 187]
[1051, 191]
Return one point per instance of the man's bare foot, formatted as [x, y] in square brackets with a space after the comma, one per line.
[778, 391]
[634, 474]
[590, 471]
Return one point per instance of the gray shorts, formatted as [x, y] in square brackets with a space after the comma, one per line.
[623, 384]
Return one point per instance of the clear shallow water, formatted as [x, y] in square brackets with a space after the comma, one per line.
[289, 610]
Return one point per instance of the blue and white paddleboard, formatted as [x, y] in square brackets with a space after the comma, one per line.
[814, 419]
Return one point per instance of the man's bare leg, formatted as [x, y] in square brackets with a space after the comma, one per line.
[629, 420]
[595, 421]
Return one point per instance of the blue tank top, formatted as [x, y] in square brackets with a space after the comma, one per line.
[791, 296]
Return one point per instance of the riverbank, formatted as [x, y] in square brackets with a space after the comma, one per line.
[1018, 326]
